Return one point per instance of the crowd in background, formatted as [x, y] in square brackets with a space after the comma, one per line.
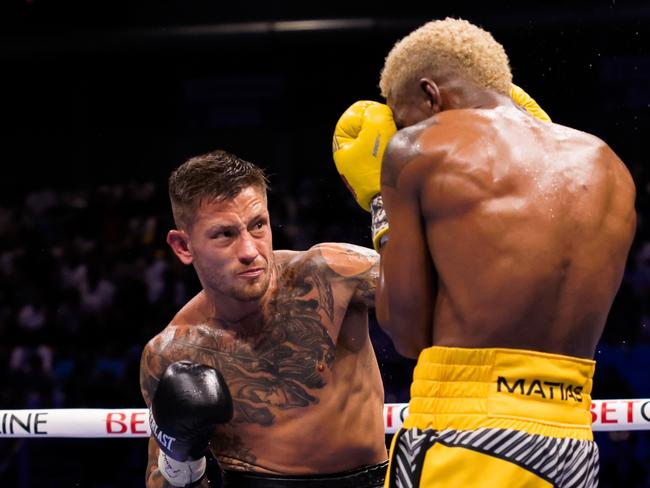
[86, 279]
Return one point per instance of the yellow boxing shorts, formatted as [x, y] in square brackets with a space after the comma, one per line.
[496, 418]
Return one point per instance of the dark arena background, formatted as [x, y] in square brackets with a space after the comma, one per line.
[100, 100]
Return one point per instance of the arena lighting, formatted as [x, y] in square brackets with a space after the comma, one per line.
[187, 36]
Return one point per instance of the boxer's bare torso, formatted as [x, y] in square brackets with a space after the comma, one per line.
[303, 375]
[520, 230]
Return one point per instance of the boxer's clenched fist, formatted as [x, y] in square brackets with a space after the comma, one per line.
[360, 139]
[189, 401]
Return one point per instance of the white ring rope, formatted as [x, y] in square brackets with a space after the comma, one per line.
[607, 415]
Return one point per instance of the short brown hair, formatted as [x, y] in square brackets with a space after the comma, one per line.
[217, 175]
[451, 43]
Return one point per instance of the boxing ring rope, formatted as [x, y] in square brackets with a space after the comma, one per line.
[606, 415]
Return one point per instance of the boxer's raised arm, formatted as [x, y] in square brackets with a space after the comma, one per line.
[152, 366]
[407, 290]
[358, 266]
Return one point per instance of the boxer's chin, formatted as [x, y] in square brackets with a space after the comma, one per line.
[248, 289]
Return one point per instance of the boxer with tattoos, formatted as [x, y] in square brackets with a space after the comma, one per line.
[270, 366]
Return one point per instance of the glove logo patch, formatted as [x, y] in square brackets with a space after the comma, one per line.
[163, 439]
[375, 149]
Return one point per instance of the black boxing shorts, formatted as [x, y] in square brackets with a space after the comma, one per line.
[364, 477]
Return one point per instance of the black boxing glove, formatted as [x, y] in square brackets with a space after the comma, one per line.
[189, 401]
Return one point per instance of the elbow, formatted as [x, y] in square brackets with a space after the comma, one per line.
[408, 349]
[406, 341]
[381, 314]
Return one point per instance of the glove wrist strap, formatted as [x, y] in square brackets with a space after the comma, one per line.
[379, 226]
[179, 473]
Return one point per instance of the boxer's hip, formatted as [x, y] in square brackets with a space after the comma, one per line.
[363, 477]
[535, 392]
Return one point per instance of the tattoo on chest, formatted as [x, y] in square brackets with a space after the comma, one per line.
[278, 368]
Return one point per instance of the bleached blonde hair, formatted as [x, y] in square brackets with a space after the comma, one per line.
[447, 44]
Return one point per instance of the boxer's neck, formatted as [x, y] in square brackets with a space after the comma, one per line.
[245, 317]
[459, 93]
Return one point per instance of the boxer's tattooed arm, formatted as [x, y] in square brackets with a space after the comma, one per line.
[357, 267]
[365, 292]
[197, 344]
[152, 366]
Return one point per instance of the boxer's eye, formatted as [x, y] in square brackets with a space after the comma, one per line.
[258, 227]
[222, 234]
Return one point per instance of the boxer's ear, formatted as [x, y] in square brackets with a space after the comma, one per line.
[432, 94]
[179, 241]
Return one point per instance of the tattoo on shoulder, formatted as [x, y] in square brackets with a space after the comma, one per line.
[152, 365]
[359, 266]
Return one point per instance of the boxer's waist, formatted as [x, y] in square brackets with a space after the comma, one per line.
[363, 477]
[538, 392]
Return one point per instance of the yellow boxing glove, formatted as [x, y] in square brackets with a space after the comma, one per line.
[360, 139]
[525, 101]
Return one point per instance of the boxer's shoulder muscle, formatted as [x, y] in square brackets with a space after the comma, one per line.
[402, 150]
[424, 149]
[354, 268]
[346, 260]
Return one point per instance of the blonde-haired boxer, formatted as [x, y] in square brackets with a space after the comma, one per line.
[507, 243]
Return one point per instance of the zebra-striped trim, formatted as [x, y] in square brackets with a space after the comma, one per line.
[565, 463]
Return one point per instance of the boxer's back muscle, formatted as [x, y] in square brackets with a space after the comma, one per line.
[528, 224]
